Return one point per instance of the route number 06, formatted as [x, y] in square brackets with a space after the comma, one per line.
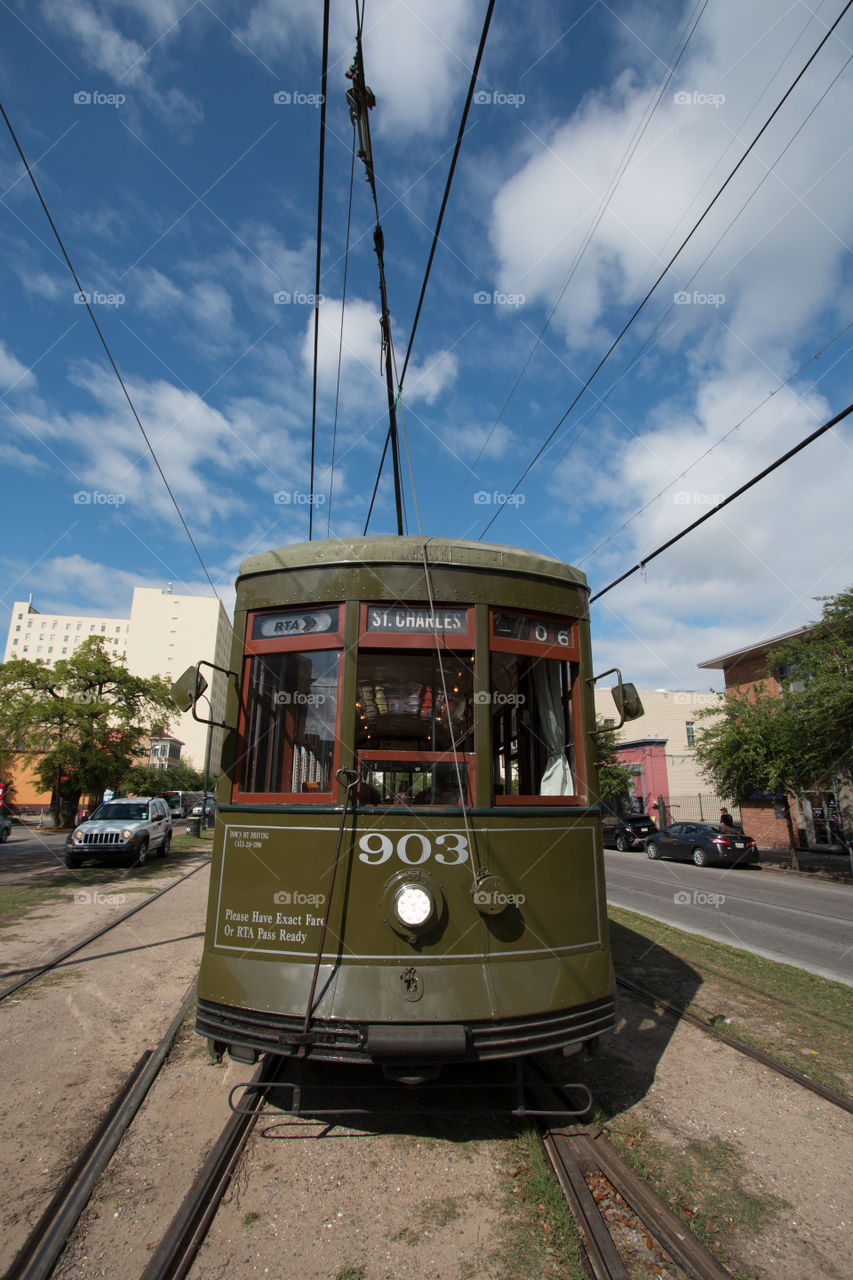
[414, 848]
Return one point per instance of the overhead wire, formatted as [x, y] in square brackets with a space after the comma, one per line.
[744, 488]
[324, 78]
[460, 134]
[640, 306]
[604, 204]
[624, 525]
[84, 297]
[341, 339]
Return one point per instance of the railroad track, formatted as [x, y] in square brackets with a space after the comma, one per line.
[578, 1154]
[758, 1055]
[31, 974]
[40, 1252]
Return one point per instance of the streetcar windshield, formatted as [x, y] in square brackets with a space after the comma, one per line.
[290, 722]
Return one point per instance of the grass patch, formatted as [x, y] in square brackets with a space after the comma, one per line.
[250, 1217]
[19, 900]
[351, 1273]
[798, 1017]
[703, 1182]
[540, 1237]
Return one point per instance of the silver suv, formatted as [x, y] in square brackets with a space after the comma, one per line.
[129, 827]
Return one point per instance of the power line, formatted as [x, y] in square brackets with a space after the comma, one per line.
[675, 255]
[326, 7]
[604, 204]
[641, 564]
[459, 136]
[85, 299]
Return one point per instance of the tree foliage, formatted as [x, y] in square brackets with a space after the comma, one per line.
[81, 722]
[615, 781]
[799, 739]
[141, 780]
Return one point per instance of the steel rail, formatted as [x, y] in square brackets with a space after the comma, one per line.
[32, 974]
[758, 1055]
[575, 1150]
[186, 1232]
[41, 1251]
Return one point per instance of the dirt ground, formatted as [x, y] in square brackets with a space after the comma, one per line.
[352, 1203]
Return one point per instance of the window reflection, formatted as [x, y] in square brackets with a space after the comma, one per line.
[290, 722]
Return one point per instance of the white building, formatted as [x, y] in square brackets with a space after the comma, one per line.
[672, 716]
[165, 633]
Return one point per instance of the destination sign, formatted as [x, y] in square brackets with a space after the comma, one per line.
[315, 622]
[401, 620]
[514, 626]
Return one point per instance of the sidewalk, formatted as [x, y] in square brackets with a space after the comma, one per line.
[813, 862]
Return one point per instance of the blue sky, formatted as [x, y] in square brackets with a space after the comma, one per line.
[176, 145]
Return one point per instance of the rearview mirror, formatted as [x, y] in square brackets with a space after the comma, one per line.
[188, 688]
[628, 701]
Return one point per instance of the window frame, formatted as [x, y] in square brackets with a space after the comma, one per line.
[333, 641]
[569, 653]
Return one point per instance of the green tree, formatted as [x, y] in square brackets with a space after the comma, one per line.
[801, 738]
[141, 780]
[80, 722]
[751, 748]
[615, 781]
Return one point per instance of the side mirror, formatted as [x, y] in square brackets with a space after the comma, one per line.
[628, 701]
[188, 688]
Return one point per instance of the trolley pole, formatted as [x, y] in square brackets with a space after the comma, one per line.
[361, 99]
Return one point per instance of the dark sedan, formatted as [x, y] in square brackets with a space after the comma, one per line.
[627, 832]
[704, 843]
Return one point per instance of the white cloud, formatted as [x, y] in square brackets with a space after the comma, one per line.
[14, 376]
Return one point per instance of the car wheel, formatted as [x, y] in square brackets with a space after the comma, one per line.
[72, 861]
[652, 851]
[700, 857]
[163, 851]
[620, 844]
[141, 855]
[4, 834]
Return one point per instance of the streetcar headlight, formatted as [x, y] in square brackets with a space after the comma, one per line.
[413, 905]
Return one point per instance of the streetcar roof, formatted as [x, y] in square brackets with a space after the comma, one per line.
[405, 550]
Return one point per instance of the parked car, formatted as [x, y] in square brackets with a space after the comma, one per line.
[704, 843]
[5, 828]
[199, 809]
[127, 828]
[628, 832]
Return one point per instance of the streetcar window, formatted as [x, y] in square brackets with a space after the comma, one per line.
[414, 726]
[533, 749]
[291, 713]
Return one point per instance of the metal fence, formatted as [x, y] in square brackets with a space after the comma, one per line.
[697, 807]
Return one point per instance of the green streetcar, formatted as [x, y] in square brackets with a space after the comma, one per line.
[407, 864]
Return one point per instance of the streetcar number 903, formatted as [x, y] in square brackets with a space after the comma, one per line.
[414, 848]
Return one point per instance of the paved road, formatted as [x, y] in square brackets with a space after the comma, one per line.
[27, 854]
[806, 923]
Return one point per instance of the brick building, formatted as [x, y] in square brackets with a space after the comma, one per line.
[764, 815]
